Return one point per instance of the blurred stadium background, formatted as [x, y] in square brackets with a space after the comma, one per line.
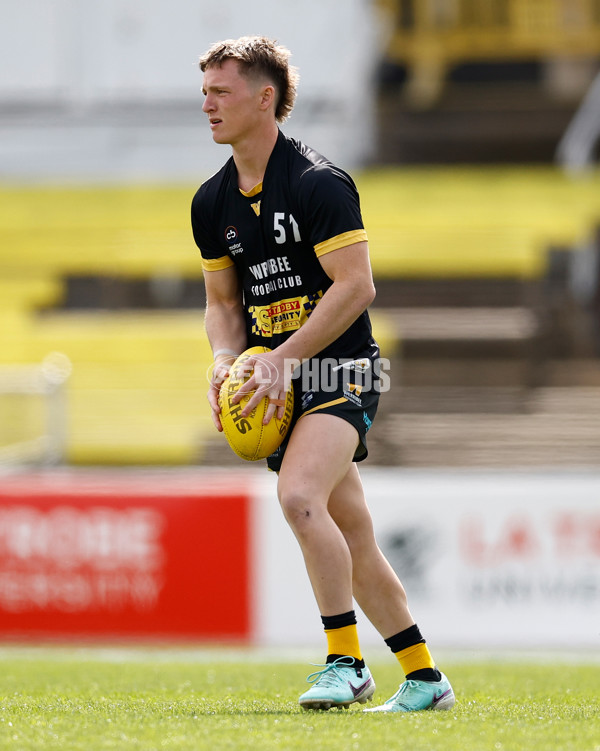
[472, 130]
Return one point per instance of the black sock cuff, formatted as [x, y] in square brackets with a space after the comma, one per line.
[339, 621]
[432, 675]
[358, 664]
[404, 639]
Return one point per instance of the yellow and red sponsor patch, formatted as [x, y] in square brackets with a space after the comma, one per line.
[284, 315]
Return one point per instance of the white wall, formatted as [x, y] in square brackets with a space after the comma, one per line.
[87, 59]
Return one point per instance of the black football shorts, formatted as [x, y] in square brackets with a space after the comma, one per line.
[348, 388]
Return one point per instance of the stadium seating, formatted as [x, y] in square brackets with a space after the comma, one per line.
[425, 221]
[137, 392]
[106, 231]
[495, 222]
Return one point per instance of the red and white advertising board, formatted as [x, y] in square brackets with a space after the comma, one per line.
[488, 559]
[122, 555]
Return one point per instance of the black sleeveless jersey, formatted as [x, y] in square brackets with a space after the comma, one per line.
[274, 235]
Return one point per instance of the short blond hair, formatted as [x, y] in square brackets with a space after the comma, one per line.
[259, 57]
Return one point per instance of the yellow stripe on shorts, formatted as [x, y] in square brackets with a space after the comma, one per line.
[341, 400]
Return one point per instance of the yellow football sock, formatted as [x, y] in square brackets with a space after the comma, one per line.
[414, 658]
[343, 641]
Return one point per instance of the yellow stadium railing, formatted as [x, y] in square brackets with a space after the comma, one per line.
[459, 29]
[429, 36]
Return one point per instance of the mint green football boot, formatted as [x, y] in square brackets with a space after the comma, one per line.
[338, 684]
[413, 696]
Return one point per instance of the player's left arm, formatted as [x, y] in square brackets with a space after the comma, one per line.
[351, 293]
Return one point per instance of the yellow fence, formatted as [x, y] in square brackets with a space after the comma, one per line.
[430, 36]
[455, 30]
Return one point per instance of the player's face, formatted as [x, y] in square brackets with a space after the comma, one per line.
[230, 102]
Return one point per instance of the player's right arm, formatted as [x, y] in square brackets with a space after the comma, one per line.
[225, 328]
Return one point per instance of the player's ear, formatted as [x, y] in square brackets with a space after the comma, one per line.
[267, 96]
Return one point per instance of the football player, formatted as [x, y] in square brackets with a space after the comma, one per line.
[286, 264]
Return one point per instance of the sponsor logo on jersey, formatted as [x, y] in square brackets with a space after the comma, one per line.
[235, 249]
[231, 234]
[282, 316]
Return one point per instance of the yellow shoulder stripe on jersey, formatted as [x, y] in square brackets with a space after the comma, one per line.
[216, 264]
[341, 400]
[254, 191]
[341, 241]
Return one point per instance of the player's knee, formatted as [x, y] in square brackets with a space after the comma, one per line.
[298, 508]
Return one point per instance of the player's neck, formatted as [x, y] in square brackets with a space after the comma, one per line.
[251, 157]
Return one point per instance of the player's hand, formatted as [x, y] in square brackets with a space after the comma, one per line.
[220, 371]
[268, 378]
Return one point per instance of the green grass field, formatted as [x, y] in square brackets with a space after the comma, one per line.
[167, 699]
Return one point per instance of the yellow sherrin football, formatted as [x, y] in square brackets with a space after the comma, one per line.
[247, 436]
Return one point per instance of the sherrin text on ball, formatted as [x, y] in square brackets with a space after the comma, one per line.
[247, 436]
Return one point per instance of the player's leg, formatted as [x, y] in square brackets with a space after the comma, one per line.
[318, 456]
[376, 586]
[382, 598]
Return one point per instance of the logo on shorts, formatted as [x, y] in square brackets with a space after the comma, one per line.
[352, 392]
[361, 365]
[307, 398]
